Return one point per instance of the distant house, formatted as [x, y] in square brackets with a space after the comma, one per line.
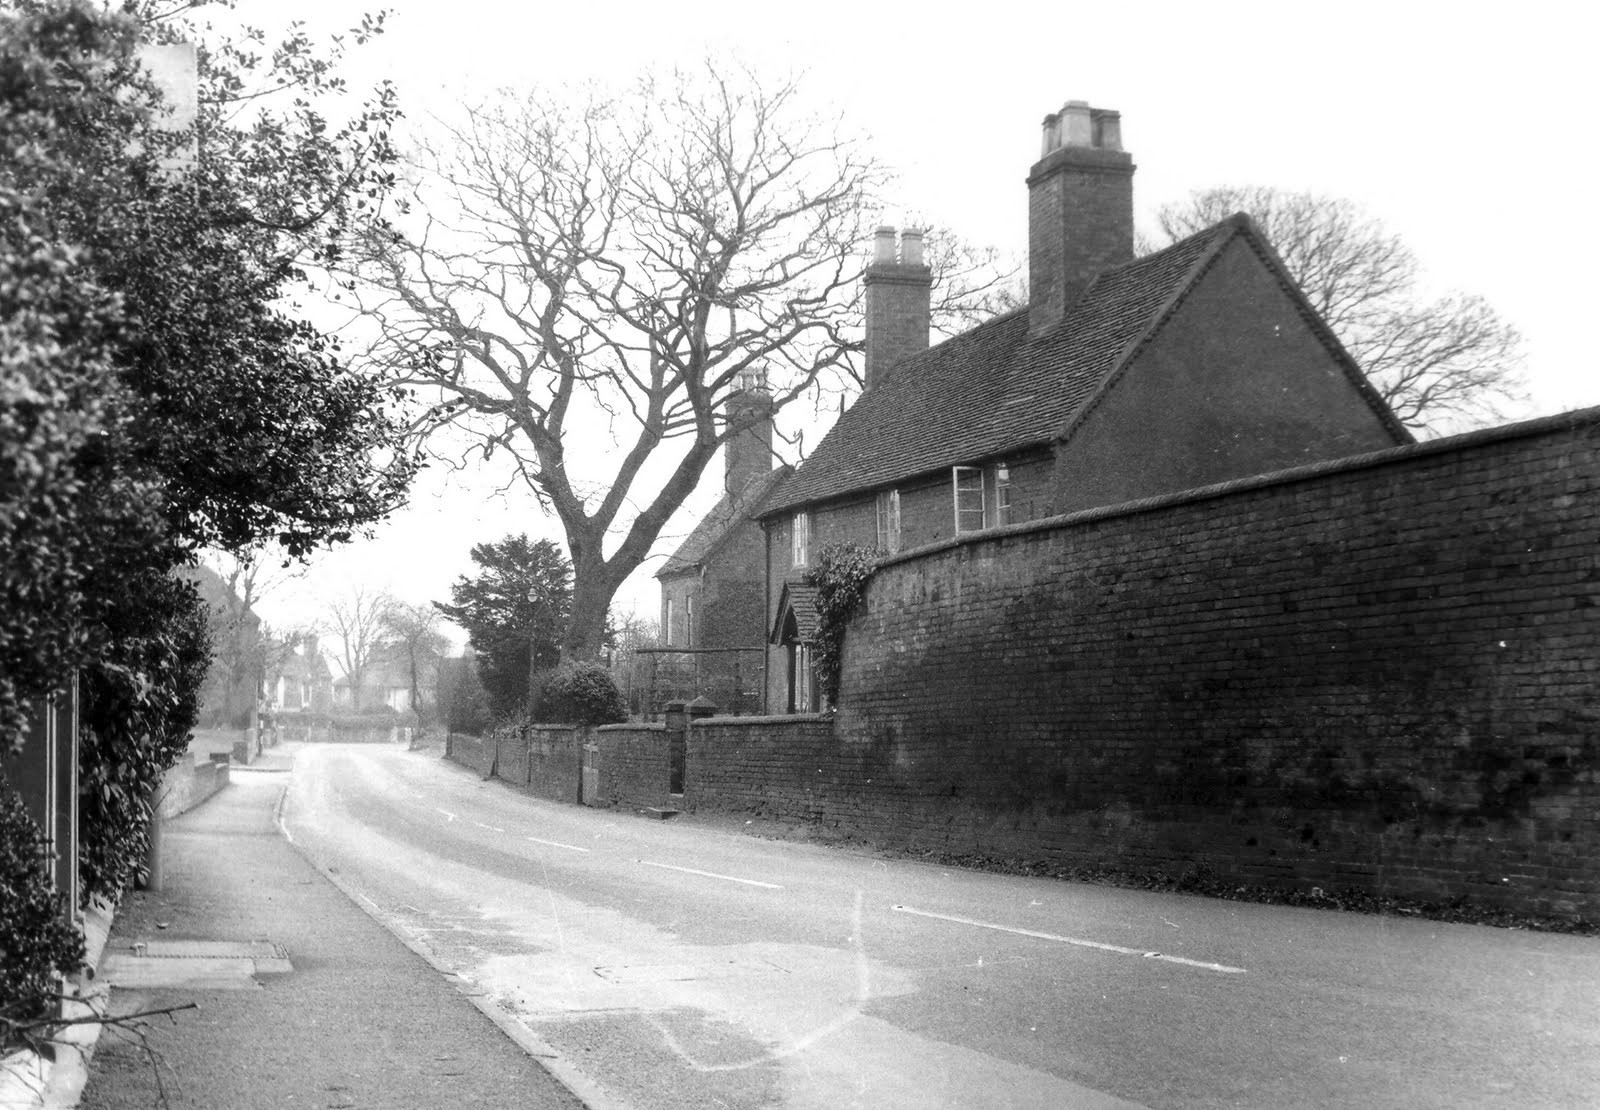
[386, 682]
[299, 679]
[1124, 378]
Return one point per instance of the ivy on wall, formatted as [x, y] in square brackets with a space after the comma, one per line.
[840, 576]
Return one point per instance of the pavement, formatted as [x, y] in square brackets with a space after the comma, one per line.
[300, 999]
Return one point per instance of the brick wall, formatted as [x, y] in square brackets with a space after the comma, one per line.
[472, 751]
[555, 761]
[1379, 673]
[634, 768]
[782, 767]
[512, 756]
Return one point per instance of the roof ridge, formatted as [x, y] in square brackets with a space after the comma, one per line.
[1258, 242]
[1221, 233]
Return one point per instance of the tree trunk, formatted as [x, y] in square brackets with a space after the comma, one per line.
[593, 587]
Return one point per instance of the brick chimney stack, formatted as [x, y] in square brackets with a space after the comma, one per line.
[1080, 209]
[748, 453]
[898, 290]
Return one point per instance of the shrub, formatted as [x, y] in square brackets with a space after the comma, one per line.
[582, 694]
[36, 940]
[840, 577]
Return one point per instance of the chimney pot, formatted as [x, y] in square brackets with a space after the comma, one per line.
[1077, 128]
[911, 248]
[883, 244]
[1051, 140]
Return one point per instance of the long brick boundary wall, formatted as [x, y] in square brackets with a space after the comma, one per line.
[1378, 674]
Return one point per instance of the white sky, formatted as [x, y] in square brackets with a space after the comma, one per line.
[1465, 127]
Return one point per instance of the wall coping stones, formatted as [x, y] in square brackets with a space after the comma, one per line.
[776, 719]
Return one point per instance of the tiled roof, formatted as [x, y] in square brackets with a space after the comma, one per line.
[993, 390]
[802, 600]
[716, 524]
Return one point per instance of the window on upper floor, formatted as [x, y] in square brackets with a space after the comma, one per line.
[688, 622]
[1002, 493]
[968, 486]
[666, 624]
[889, 520]
[800, 534]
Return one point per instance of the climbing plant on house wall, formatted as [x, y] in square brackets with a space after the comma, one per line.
[840, 576]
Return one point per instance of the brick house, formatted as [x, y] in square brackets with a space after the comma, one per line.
[1123, 379]
[713, 587]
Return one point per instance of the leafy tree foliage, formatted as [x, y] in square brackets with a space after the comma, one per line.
[515, 611]
[1450, 361]
[156, 392]
[139, 696]
[35, 937]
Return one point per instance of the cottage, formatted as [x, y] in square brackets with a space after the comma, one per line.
[1124, 378]
[713, 587]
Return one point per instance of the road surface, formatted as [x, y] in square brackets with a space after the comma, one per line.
[676, 964]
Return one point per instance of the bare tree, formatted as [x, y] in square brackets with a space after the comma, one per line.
[415, 635]
[358, 620]
[584, 281]
[1451, 361]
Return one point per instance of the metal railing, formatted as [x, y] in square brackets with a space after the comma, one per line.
[733, 678]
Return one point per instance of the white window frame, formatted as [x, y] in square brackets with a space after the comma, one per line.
[889, 520]
[800, 537]
[1002, 494]
[969, 475]
[668, 623]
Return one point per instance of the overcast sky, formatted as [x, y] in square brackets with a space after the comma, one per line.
[1466, 128]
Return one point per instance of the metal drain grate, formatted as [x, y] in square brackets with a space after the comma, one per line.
[208, 950]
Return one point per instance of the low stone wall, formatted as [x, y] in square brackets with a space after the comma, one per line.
[785, 767]
[189, 783]
[635, 766]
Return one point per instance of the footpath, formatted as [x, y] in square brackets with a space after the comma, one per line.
[302, 999]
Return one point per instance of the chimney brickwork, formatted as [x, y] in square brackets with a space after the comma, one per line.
[747, 454]
[898, 295]
[1080, 209]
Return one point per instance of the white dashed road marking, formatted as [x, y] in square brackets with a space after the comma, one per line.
[711, 875]
[556, 844]
[1078, 941]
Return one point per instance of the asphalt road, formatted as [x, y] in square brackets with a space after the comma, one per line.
[678, 964]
